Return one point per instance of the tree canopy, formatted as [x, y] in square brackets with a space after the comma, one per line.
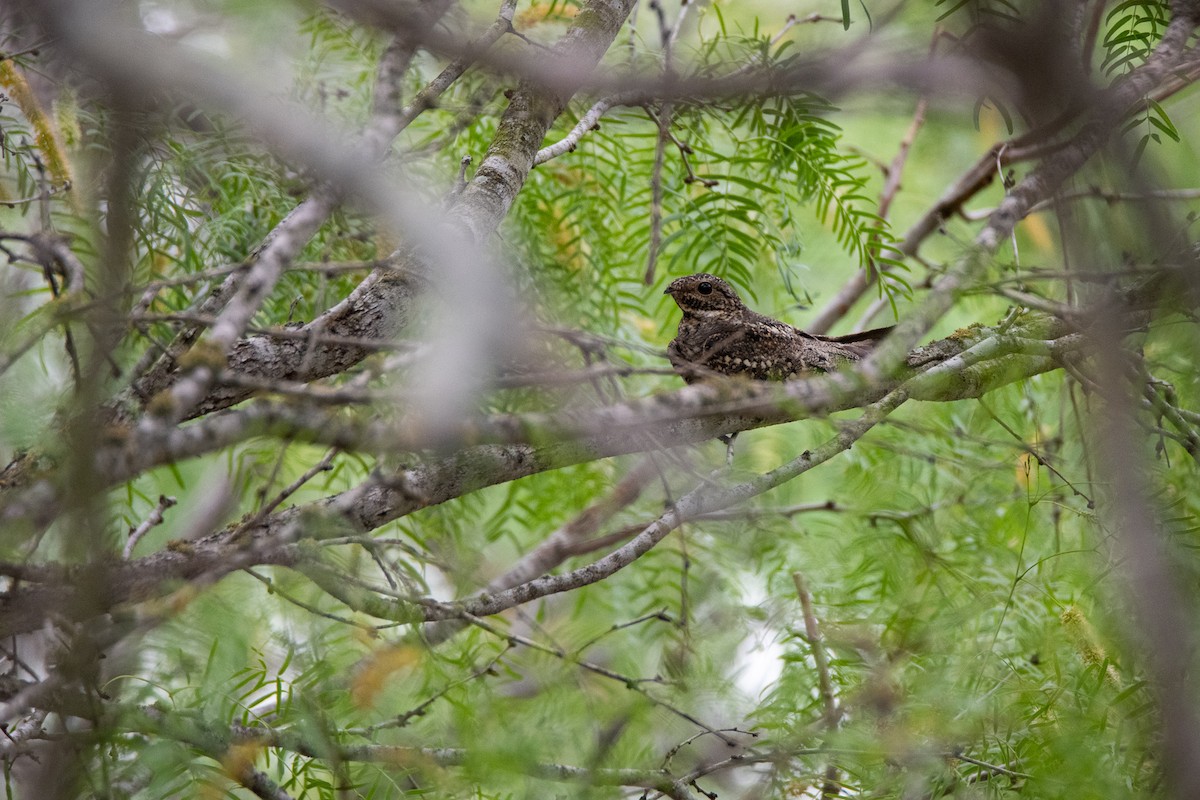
[344, 458]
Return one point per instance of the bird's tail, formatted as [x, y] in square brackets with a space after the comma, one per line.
[860, 343]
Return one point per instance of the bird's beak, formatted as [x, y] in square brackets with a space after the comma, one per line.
[667, 290]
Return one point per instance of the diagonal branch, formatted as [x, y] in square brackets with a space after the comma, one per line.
[701, 500]
[1108, 110]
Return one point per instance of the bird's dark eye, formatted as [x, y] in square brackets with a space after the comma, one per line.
[704, 288]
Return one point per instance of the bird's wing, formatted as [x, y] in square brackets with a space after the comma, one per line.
[852, 346]
[685, 367]
[759, 347]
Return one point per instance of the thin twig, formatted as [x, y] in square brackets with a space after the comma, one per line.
[1028, 448]
[634, 684]
[563, 542]
[273, 588]
[419, 710]
[324, 465]
[991, 767]
[830, 715]
[44, 194]
[588, 122]
[155, 518]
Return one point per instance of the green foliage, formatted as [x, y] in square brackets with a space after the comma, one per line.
[981, 11]
[18, 155]
[777, 167]
[958, 555]
[1134, 28]
[206, 196]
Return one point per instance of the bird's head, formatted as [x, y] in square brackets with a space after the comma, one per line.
[704, 294]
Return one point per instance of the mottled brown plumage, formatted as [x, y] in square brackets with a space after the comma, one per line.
[719, 334]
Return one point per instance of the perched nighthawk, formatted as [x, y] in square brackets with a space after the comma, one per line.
[718, 334]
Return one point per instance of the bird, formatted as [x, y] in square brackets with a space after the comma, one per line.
[719, 335]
